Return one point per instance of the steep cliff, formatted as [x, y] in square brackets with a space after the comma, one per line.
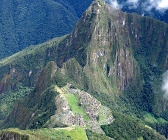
[116, 57]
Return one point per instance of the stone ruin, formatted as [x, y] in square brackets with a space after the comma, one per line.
[90, 105]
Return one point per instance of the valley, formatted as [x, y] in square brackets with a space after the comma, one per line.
[103, 81]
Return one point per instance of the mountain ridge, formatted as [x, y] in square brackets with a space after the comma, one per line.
[109, 54]
[29, 23]
[96, 54]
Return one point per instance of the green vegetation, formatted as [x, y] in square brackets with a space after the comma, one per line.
[148, 127]
[86, 118]
[141, 138]
[120, 65]
[70, 133]
[8, 99]
[149, 118]
[104, 114]
[128, 128]
[158, 124]
[30, 53]
[37, 30]
[76, 134]
[39, 134]
[33, 111]
[73, 104]
[161, 120]
[95, 136]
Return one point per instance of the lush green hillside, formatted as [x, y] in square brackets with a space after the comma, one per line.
[127, 128]
[46, 108]
[25, 23]
[20, 72]
[116, 57]
[69, 133]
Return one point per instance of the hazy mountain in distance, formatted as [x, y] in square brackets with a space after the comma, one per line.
[25, 23]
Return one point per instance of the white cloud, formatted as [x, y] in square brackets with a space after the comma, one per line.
[165, 84]
[132, 1]
[160, 5]
[163, 4]
[114, 3]
[147, 6]
[132, 4]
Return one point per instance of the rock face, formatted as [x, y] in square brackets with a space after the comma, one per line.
[111, 42]
[14, 136]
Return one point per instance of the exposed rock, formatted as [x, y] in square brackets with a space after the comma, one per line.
[14, 136]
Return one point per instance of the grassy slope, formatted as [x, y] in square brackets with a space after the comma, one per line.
[94, 136]
[20, 63]
[151, 119]
[77, 133]
[101, 86]
[73, 104]
[32, 50]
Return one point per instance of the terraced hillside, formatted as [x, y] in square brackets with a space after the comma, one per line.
[117, 58]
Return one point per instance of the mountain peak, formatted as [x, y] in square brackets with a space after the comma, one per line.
[110, 56]
[98, 5]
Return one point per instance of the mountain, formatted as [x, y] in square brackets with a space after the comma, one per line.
[113, 57]
[25, 23]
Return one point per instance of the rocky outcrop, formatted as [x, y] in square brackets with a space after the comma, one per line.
[124, 69]
[10, 136]
[13, 136]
